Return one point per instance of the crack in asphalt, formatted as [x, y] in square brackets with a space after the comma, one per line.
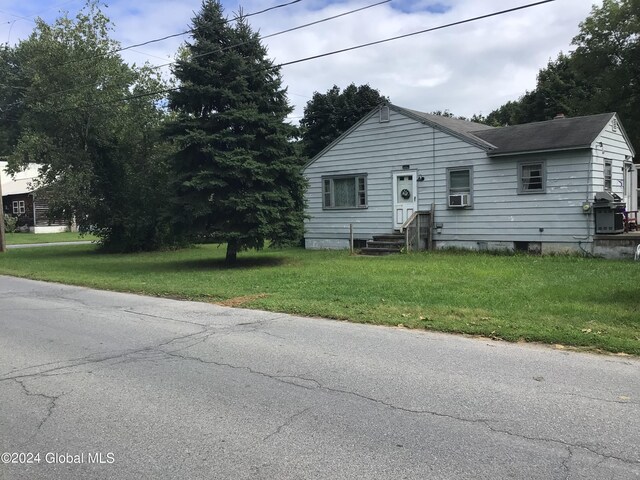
[318, 386]
[295, 380]
[605, 400]
[100, 358]
[562, 442]
[163, 318]
[259, 323]
[89, 359]
[566, 463]
[287, 422]
[52, 399]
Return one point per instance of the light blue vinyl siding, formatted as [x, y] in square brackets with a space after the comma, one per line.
[615, 148]
[499, 213]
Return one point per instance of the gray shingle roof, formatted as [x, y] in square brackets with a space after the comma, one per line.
[460, 127]
[557, 134]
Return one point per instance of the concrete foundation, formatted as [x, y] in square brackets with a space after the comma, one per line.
[49, 229]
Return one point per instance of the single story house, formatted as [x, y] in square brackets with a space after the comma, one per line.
[21, 200]
[552, 186]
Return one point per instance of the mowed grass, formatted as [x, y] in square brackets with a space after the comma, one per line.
[582, 302]
[31, 238]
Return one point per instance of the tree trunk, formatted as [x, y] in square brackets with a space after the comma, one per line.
[232, 251]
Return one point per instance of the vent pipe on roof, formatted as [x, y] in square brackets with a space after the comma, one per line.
[559, 115]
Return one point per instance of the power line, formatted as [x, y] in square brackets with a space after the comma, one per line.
[279, 33]
[155, 40]
[93, 84]
[275, 67]
[227, 20]
[494, 14]
[17, 16]
[30, 17]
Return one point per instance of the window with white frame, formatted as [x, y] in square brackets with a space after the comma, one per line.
[18, 207]
[608, 183]
[531, 177]
[459, 186]
[345, 191]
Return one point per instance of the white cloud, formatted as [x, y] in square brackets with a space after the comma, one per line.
[466, 69]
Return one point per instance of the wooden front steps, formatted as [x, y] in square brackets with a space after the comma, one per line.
[384, 244]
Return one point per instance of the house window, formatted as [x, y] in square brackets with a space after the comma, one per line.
[344, 192]
[531, 177]
[459, 187]
[607, 175]
[18, 207]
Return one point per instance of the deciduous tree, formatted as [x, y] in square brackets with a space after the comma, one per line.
[329, 115]
[12, 87]
[602, 74]
[87, 121]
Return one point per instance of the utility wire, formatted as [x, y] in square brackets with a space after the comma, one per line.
[18, 16]
[468, 20]
[30, 17]
[280, 32]
[191, 30]
[155, 67]
[75, 88]
[155, 40]
[275, 67]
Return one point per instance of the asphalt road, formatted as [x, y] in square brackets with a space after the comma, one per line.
[163, 389]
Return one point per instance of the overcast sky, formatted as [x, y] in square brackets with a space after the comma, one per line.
[467, 69]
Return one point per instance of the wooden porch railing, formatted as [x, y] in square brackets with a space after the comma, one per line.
[418, 231]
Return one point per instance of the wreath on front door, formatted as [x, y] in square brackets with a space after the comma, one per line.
[405, 193]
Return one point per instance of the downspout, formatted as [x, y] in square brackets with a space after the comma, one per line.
[3, 242]
[433, 189]
[588, 236]
[33, 205]
[589, 193]
[433, 166]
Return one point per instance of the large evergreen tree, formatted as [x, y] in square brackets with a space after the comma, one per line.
[237, 179]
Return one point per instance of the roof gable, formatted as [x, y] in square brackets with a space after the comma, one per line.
[453, 126]
[557, 134]
[461, 129]
[568, 133]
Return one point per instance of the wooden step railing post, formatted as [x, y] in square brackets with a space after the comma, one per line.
[351, 238]
[407, 245]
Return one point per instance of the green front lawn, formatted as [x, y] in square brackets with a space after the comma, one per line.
[29, 238]
[566, 300]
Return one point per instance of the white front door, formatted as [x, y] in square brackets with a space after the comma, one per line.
[405, 197]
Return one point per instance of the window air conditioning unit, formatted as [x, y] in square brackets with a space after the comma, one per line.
[459, 200]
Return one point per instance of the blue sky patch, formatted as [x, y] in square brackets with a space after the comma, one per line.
[415, 6]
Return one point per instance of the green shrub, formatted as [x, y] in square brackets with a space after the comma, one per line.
[10, 223]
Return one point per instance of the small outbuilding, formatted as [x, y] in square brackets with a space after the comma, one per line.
[21, 200]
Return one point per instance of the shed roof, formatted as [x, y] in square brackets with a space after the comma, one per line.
[20, 182]
[557, 134]
[17, 187]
